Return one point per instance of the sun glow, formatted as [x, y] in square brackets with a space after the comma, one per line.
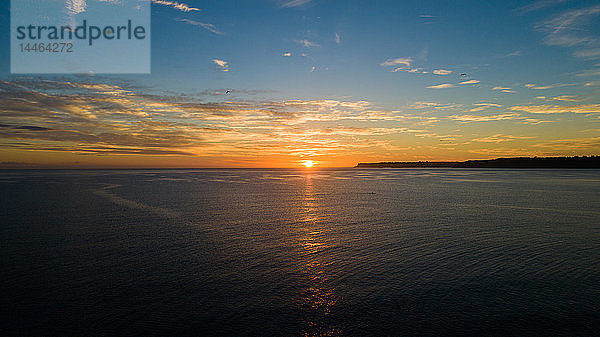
[308, 163]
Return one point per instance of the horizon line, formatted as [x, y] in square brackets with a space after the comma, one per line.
[25, 166]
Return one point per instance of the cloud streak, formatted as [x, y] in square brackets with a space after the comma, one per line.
[405, 61]
[558, 109]
[441, 86]
[483, 106]
[537, 5]
[499, 138]
[566, 29]
[223, 65]
[308, 44]
[177, 5]
[74, 7]
[504, 89]
[479, 118]
[442, 72]
[294, 3]
[208, 26]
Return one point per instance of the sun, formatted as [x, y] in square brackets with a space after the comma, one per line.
[308, 163]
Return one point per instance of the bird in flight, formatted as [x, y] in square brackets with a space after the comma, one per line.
[227, 91]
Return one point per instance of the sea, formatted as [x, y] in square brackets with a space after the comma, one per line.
[285, 252]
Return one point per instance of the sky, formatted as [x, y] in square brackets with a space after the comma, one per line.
[277, 82]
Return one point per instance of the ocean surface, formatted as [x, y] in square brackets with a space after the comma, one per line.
[356, 252]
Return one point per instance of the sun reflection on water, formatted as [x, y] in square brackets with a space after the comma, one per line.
[318, 298]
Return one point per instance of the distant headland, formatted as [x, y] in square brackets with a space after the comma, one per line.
[577, 162]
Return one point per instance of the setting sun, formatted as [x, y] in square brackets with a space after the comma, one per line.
[308, 163]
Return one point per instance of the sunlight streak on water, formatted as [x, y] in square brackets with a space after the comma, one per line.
[288, 252]
[318, 298]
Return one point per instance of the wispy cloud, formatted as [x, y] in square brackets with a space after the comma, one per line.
[504, 89]
[223, 65]
[556, 109]
[410, 70]
[442, 72]
[571, 144]
[74, 7]
[405, 61]
[441, 86]
[338, 39]
[593, 53]
[435, 105]
[514, 53]
[563, 98]
[287, 54]
[177, 5]
[308, 44]
[470, 82]
[208, 26]
[537, 5]
[566, 30]
[533, 86]
[483, 106]
[488, 104]
[570, 19]
[427, 19]
[294, 3]
[544, 87]
[404, 64]
[533, 121]
[490, 118]
[589, 72]
[499, 138]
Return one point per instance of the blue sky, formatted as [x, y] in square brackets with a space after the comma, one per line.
[472, 37]
[516, 75]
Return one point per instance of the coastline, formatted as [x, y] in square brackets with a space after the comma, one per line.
[577, 162]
